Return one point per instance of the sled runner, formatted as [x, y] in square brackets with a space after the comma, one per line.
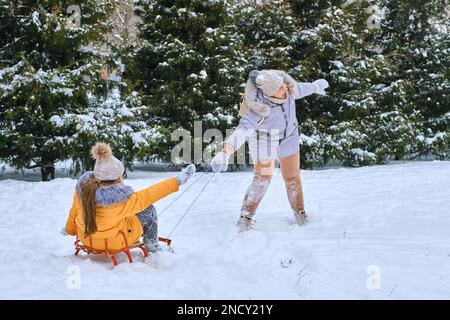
[79, 246]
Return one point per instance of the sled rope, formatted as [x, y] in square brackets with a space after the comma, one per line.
[190, 206]
[179, 196]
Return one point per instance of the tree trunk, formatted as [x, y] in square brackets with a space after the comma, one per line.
[47, 168]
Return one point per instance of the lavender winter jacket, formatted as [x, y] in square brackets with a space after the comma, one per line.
[277, 135]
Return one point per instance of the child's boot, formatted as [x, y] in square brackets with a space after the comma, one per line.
[152, 246]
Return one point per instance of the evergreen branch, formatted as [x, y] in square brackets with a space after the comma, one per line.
[9, 44]
[33, 167]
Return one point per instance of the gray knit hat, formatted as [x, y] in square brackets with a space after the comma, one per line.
[269, 82]
[107, 167]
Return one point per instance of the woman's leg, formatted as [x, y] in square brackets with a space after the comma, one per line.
[290, 169]
[149, 222]
[263, 173]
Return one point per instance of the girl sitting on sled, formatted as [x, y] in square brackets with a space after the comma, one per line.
[271, 128]
[103, 205]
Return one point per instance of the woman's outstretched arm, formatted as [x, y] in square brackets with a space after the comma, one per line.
[304, 89]
[239, 136]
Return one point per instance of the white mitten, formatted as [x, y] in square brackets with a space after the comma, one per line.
[321, 85]
[220, 162]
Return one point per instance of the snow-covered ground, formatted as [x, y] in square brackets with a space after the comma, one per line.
[379, 232]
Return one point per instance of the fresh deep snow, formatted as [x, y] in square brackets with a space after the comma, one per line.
[392, 220]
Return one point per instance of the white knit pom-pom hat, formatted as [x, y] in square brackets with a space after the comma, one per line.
[107, 167]
[269, 82]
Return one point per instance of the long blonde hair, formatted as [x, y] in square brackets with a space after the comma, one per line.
[87, 198]
[88, 201]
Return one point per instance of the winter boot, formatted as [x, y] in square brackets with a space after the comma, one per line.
[152, 247]
[245, 221]
[300, 217]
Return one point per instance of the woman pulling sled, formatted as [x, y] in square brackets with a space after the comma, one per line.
[270, 127]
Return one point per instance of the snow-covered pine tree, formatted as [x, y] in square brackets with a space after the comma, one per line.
[309, 13]
[45, 71]
[188, 64]
[332, 43]
[54, 101]
[116, 118]
[415, 38]
[369, 101]
[269, 30]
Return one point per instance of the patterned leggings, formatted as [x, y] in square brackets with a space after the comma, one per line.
[290, 170]
[149, 222]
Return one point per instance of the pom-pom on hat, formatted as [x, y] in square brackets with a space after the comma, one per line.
[107, 167]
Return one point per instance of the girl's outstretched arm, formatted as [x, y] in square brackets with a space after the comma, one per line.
[144, 198]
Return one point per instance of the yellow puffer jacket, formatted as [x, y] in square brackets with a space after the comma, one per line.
[118, 216]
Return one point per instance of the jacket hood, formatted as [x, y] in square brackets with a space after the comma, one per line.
[108, 195]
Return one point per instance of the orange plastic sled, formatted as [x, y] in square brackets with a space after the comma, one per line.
[79, 246]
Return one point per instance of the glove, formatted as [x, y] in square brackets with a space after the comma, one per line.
[321, 85]
[64, 232]
[220, 162]
[186, 174]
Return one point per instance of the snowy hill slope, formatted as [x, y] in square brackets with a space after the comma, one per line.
[393, 219]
